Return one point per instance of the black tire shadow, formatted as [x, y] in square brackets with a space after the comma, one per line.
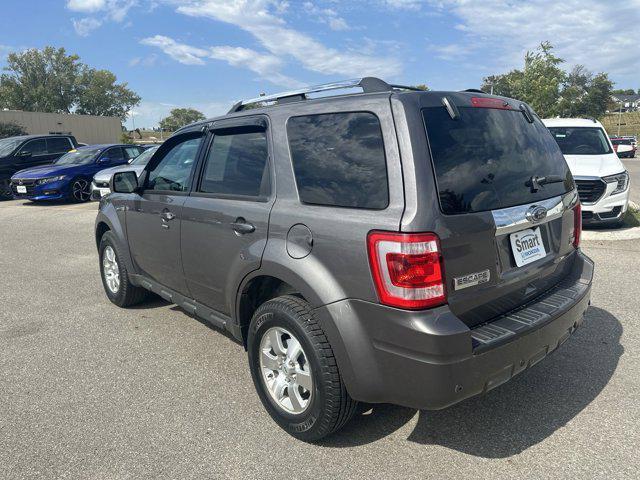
[517, 415]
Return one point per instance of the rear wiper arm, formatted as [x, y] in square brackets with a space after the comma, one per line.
[535, 182]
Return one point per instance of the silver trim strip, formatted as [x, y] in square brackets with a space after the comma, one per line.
[512, 219]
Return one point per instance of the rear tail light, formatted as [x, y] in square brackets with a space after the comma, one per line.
[407, 269]
[577, 224]
[486, 102]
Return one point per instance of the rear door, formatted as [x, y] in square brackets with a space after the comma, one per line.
[226, 218]
[58, 146]
[154, 217]
[505, 237]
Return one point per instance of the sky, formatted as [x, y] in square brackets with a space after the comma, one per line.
[207, 54]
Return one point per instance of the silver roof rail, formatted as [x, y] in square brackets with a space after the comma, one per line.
[368, 85]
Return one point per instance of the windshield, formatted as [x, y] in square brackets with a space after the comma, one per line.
[484, 159]
[78, 157]
[581, 140]
[144, 157]
[8, 145]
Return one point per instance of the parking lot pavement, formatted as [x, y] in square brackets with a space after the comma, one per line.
[633, 167]
[88, 390]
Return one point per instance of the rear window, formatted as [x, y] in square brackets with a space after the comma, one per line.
[620, 141]
[483, 160]
[339, 160]
[581, 140]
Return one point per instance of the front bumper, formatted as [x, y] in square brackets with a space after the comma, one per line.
[431, 359]
[49, 191]
[98, 192]
[608, 209]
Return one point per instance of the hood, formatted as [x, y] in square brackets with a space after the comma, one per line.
[594, 165]
[106, 174]
[47, 171]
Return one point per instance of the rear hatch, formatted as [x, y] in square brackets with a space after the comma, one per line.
[506, 237]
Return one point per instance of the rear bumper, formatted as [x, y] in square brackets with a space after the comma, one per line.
[431, 359]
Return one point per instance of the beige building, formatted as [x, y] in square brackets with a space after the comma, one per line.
[89, 129]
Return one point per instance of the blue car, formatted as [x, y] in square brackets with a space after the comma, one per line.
[69, 177]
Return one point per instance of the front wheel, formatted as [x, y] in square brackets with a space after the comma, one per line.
[294, 370]
[115, 277]
[80, 190]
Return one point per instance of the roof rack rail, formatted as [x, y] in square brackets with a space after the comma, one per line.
[368, 85]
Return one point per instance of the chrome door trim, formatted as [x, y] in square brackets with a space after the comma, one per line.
[512, 219]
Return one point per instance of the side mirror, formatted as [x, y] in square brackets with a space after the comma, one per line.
[124, 182]
[104, 160]
[24, 154]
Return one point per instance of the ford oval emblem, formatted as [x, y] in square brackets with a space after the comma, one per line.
[536, 214]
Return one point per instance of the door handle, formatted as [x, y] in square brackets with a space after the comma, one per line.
[241, 226]
[167, 216]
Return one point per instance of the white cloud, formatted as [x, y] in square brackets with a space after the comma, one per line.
[259, 18]
[85, 26]
[86, 6]
[265, 65]
[326, 15]
[404, 4]
[115, 10]
[180, 52]
[590, 32]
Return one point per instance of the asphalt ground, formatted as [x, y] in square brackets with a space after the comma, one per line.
[91, 391]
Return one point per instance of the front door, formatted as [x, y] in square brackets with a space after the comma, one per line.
[226, 217]
[154, 217]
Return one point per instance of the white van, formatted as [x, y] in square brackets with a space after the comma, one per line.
[603, 182]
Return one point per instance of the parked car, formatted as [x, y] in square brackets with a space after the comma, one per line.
[623, 147]
[396, 246]
[69, 177]
[24, 151]
[100, 183]
[603, 182]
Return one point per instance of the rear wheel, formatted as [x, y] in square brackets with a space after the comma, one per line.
[115, 278]
[80, 190]
[294, 370]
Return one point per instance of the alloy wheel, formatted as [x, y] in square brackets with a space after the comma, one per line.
[110, 269]
[285, 370]
[80, 190]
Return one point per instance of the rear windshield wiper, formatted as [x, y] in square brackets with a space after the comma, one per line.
[535, 182]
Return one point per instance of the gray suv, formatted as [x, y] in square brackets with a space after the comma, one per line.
[396, 246]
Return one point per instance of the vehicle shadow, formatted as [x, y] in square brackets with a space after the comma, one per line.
[517, 415]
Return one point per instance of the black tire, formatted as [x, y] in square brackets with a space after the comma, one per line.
[330, 406]
[127, 294]
[80, 198]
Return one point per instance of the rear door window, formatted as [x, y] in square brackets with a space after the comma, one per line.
[484, 159]
[58, 145]
[237, 165]
[339, 160]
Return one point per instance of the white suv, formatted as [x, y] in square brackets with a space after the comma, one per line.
[603, 182]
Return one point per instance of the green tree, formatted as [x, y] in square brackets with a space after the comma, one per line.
[49, 80]
[40, 80]
[10, 129]
[98, 94]
[422, 86]
[627, 91]
[179, 117]
[550, 90]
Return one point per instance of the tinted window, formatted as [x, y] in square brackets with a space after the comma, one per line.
[581, 140]
[339, 159]
[58, 145]
[81, 156]
[173, 172]
[483, 159]
[236, 165]
[620, 141]
[144, 157]
[132, 152]
[35, 147]
[113, 154]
